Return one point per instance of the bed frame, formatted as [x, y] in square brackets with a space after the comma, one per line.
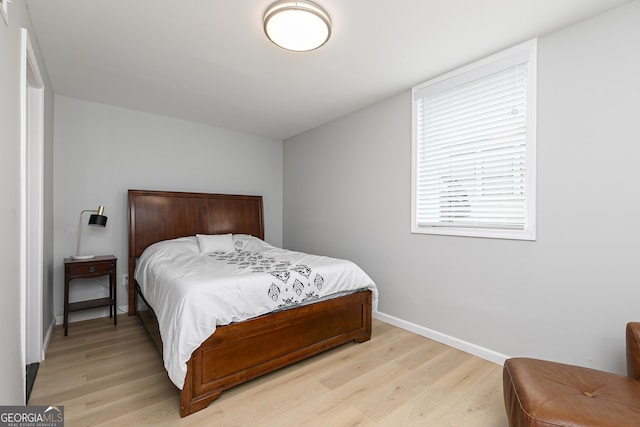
[241, 351]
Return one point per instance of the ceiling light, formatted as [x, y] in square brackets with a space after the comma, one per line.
[297, 25]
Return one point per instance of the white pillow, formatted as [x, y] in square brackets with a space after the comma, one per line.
[210, 243]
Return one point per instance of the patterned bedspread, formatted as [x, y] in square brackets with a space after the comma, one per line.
[192, 293]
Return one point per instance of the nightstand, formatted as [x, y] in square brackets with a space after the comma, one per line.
[85, 269]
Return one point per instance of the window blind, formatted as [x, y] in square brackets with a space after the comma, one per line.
[471, 148]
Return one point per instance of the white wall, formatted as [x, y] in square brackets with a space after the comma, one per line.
[566, 296]
[102, 151]
[12, 362]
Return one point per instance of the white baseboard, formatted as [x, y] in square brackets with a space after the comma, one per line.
[47, 339]
[465, 346]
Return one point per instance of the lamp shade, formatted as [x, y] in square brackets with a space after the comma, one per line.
[297, 25]
[96, 219]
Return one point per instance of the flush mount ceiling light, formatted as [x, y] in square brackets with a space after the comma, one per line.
[297, 25]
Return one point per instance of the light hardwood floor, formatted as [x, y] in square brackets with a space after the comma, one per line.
[106, 375]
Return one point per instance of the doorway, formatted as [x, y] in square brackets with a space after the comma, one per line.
[32, 206]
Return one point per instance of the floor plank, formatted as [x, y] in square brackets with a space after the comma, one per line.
[113, 376]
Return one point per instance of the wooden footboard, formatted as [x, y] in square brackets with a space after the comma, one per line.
[242, 351]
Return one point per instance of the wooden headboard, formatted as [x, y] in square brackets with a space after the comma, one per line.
[164, 215]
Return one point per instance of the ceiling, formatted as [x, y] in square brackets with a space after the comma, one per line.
[208, 61]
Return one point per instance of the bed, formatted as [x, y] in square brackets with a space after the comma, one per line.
[239, 351]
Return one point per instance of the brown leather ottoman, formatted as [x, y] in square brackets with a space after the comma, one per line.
[541, 393]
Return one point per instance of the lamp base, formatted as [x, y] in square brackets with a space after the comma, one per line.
[82, 256]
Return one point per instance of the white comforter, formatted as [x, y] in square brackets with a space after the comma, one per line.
[192, 293]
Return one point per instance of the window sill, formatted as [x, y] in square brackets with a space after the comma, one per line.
[529, 234]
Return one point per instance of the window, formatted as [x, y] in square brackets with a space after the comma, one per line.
[473, 154]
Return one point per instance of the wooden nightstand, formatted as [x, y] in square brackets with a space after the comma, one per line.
[85, 269]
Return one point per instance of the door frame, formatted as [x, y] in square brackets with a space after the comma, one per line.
[31, 201]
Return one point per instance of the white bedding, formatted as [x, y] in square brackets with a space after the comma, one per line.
[192, 293]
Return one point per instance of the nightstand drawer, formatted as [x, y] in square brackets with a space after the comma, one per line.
[97, 268]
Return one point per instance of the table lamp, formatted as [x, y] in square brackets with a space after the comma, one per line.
[96, 219]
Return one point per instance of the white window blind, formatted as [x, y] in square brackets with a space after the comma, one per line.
[472, 151]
